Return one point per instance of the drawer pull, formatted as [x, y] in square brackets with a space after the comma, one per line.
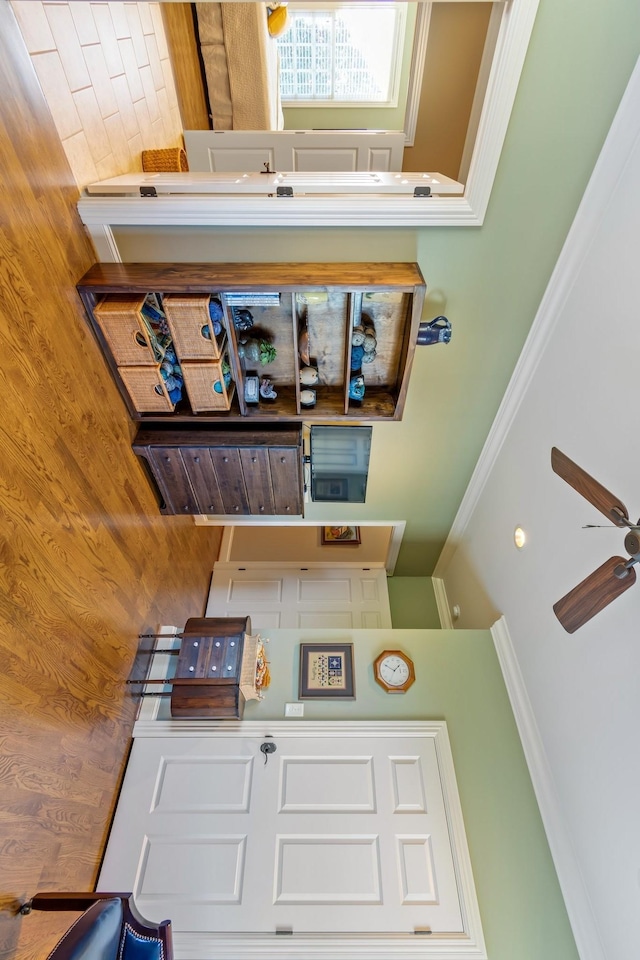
[229, 668]
[168, 459]
[287, 508]
[233, 643]
[225, 459]
[261, 509]
[186, 507]
[217, 643]
[195, 643]
[254, 459]
[214, 668]
[191, 669]
[283, 459]
[236, 509]
[211, 507]
[196, 459]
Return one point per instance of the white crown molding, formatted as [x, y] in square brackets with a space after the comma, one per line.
[572, 883]
[100, 213]
[620, 142]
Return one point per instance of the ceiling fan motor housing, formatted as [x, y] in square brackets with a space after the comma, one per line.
[632, 543]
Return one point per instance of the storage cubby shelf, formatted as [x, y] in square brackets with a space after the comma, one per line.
[304, 310]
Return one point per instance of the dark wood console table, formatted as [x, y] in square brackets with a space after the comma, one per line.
[207, 684]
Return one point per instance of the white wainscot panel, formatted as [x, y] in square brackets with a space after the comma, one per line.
[266, 620]
[380, 159]
[325, 160]
[203, 784]
[408, 785]
[417, 870]
[371, 620]
[327, 620]
[327, 591]
[191, 869]
[327, 785]
[313, 869]
[252, 591]
[370, 592]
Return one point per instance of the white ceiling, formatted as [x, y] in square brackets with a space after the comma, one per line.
[579, 706]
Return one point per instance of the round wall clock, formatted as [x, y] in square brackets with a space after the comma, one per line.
[394, 671]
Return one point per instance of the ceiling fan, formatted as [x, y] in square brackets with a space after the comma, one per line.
[616, 575]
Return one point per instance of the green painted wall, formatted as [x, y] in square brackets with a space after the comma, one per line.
[413, 603]
[347, 118]
[488, 280]
[458, 679]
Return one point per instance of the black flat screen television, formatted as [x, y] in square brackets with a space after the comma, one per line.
[339, 463]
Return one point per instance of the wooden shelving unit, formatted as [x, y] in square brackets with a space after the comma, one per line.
[323, 302]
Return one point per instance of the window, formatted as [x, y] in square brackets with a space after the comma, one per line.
[342, 54]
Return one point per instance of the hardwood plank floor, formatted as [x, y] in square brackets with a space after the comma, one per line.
[86, 560]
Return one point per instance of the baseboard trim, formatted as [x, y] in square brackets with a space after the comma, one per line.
[571, 881]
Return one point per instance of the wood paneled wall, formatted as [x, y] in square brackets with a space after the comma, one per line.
[86, 560]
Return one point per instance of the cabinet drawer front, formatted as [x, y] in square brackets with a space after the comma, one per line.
[197, 461]
[286, 480]
[228, 467]
[172, 476]
[257, 479]
[213, 658]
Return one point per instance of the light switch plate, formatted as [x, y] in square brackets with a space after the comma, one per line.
[294, 709]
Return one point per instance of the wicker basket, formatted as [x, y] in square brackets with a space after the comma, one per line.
[147, 389]
[187, 318]
[200, 380]
[125, 332]
[172, 160]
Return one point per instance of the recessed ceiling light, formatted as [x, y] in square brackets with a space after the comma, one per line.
[519, 537]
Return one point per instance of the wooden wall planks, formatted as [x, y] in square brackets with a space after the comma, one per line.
[86, 560]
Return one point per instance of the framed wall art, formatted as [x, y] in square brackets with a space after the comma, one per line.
[326, 671]
[340, 535]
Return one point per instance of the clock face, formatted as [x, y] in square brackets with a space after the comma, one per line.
[394, 670]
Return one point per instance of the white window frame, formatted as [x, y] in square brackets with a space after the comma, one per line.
[99, 214]
[396, 60]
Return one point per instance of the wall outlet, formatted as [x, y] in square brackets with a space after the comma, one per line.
[294, 709]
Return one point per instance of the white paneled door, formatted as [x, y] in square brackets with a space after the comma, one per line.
[344, 833]
[289, 596]
[251, 151]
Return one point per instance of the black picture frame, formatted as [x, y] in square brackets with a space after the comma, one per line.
[319, 679]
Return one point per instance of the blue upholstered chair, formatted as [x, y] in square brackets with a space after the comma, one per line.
[109, 928]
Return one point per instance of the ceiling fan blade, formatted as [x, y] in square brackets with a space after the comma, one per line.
[593, 594]
[597, 495]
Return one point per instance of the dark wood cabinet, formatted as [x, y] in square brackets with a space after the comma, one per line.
[207, 681]
[311, 314]
[225, 471]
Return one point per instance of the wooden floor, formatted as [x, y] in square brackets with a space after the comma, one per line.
[87, 562]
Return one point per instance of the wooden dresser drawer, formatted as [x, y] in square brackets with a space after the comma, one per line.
[255, 472]
[170, 472]
[204, 482]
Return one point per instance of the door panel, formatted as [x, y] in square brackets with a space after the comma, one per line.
[341, 833]
[292, 597]
[246, 151]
